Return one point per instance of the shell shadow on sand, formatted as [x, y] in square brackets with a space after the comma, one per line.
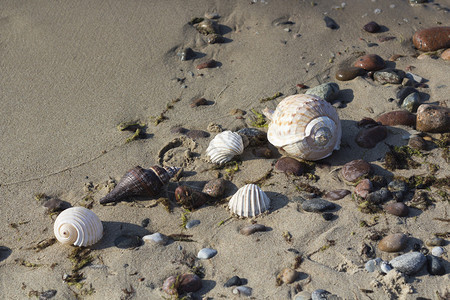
[112, 231]
[5, 252]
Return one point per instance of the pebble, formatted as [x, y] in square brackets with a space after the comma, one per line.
[47, 294]
[336, 194]
[145, 222]
[355, 170]
[397, 209]
[197, 134]
[372, 27]
[192, 223]
[385, 267]
[403, 92]
[414, 77]
[207, 64]
[435, 241]
[417, 142]
[397, 117]
[398, 188]
[330, 23]
[199, 102]
[128, 241]
[233, 281]
[411, 102]
[215, 38]
[290, 166]
[435, 266]
[380, 196]
[349, 73]
[420, 200]
[243, 291]
[437, 251]
[170, 285]
[432, 39]
[363, 188]
[215, 188]
[370, 62]
[264, 152]
[4, 252]
[303, 295]
[393, 243]
[251, 229]
[206, 253]
[156, 238]
[409, 263]
[186, 54]
[320, 294]
[446, 54]
[373, 264]
[190, 198]
[189, 283]
[370, 137]
[287, 275]
[392, 76]
[433, 118]
[317, 205]
[326, 91]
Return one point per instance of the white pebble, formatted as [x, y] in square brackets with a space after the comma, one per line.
[243, 290]
[157, 238]
[437, 251]
[392, 6]
[206, 253]
[377, 11]
[385, 267]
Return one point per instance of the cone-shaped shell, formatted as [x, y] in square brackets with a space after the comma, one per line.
[249, 201]
[224, 146]
[305, 126]
[78, 226]
[140, 182]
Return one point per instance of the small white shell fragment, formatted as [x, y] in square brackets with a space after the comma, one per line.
[157, 238]
[206, 253]
[385, 267]
[249, 201]
[243, 291]
[224, 147]
[437, 251]
[78, 226]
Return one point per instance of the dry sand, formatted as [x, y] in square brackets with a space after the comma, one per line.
[70, 72]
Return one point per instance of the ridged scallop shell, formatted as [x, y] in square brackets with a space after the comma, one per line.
[305, 126]
[78, 226]
[224, 147]
[249, 201]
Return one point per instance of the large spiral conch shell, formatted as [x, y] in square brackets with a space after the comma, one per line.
[78, 226]
[140, 182]
[224, 147]
[305, 126]
[249, 201]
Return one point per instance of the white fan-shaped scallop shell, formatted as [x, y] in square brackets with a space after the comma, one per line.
[224, 146]
[78, 226]
[305, 126]
[249, 201]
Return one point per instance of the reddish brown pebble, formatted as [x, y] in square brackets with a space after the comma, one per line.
[432, 39]
[355, 170]
[207, 64]
[446, 54]
[189, 283]
[198, 102]
[349, 73]
[262, 152]
[397, 117]
[215, 188]
[393, 242]
[370, 137]
[302, 86]
[289, 165]
[251, 229]
[170, 285]
[363, 188]
[397, 209]
[336, 194]
[372, 27]
[370, 62]
[433, 118]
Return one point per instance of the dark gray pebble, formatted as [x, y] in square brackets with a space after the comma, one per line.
[380, 196]
[145, 222]
[197, 134]
[127, 241]
[199, 102]
[336, 194]
[317, 205]
[372, 27]
[326, 91]
[330, 23]
[233, 281]
[398, 188]
[47, 294]
[4, 252]
[435, 265]
[192, 223]
[409, 263]
[403, 92]
[323, 295]
[411, 102]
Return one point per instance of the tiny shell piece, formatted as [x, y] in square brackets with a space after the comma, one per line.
[224, 147]
[78, 226]
[249, 201]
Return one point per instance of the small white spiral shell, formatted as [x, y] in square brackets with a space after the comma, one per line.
[249, 201]
[224, 147]
[78, 226]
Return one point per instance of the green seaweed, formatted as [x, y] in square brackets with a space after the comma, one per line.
[185, 218]
[80, 257]
[401, 158]
[278, 94]
[26, 263]
[259, 120]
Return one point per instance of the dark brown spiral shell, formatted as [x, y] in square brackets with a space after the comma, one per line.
[140, 182]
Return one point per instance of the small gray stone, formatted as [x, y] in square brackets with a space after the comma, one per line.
[435, 241]
[398, 188]
[235, 280]
[326, 91]
[414, 77]
[403, 92]
[206, 253]
[380, 196]
[435, 266]
[322, 295]
[47, 294]
[156, 238]
[192, 223]
[243, 290]
[411, 102]
[409, 263]
[437, 251]
[372, 265]
[393, 76]
[317, 205]
[303, 295]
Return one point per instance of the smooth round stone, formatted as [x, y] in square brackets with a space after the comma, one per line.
[320, 294]
[435, 241]
[169, 285]
[369, 137]
[372, 27]
[336, 194]
[435, 265]
[398, 188]
[233, 281]
[370, 62]
[411, 102]
[206, 253]
[156, 238]
[355, 170]
[192, 223]
[433, 118]
[409, 263]
[393, 243]
[380, 196]
[403, 92]
[446, 54]
[349, 73]
[363, 188]
[373, 265]
[303, 295]
[437, 251]
[326, 91]
[432, 39]
[215, 188]
[243, 291]
[417, 142]
[397, 209]
[392, 76]
[189, 283]
[290, 165]
[126, 241]
[385, 267]
[317, 205]
[397, 117]
[251, 229]
[288, 275]
[145, 222]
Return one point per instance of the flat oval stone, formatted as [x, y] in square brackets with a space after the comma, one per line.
[432, 39]
[303, 295]
[433, 118]
[192, 223]
[397, 117]
[392, 76]
[363, 188]
[380, 196]
[397, 209]
[349, 73]
[336, 194]
[233, 281]
[437, 251]
[320, 294]
[411, 102]
[417, 142]
[404, 91]
[243, 291]
[372, 27]
[446, 54]
[370, 137]
[393, 243]
[370, 62]
[355, 170]
[326, 91]
[409, 263]
[215, 188]
[317, 205]
[435, 265]
[189, 283]
[170, 285]
[206, 253]
[290, 165]
[435, 241]
[156, 238]
[248, 230]
[197, 134]
[330, 23]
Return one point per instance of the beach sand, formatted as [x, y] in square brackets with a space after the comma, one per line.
[71, 72]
